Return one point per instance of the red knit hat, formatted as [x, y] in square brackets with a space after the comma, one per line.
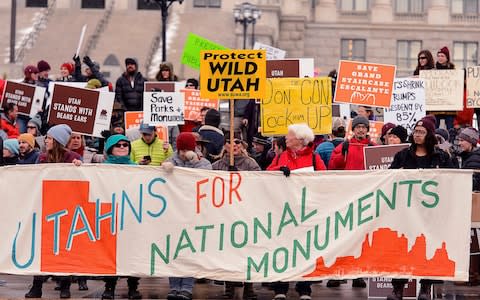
[30, 70]
[69, 66]
[445, 51]
[186, 141]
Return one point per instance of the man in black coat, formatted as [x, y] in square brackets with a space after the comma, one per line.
[129, 88]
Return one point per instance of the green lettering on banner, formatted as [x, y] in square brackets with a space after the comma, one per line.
[188, 243]
[245, 234]
[410, 189]
[155, 250]
[275, 260]
[258, 225]
[390, 204]
[327, 236]
[222, 233]
[304, 250]
[263, 265]
[283, 222]
[348, 219]
[429, 193]
[304, 205]
[193, 45]
[362, 208]
[204, 235]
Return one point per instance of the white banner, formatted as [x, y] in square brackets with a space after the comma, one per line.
[255, 226]
[163, 108]
[408, 103]
[272, 52]
[473, 87]
[443, 89]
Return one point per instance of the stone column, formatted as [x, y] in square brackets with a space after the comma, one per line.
[439, 12]
[381, 11]
[326, 11]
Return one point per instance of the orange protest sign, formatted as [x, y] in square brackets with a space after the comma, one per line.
[374, 132]
[133, 119]
[365, 83]
[193, 104]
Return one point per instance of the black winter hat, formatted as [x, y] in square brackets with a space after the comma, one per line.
[400, 132]
[130, 61]
[212, 117]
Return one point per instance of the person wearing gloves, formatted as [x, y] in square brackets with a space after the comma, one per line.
[117, 151]
[181, 288]
[298, 155]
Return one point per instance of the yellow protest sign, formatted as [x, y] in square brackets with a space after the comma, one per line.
[297, 100]
[232, 74]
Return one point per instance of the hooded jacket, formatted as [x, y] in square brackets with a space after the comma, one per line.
[9, 126]
[352, 159]
[164, 65]
[130, 97]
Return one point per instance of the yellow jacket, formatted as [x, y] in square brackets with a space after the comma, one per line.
[154, 150]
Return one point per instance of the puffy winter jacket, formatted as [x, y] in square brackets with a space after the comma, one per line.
[302, 158]
[349, 157]
[130, 97]
[154, 150]
[9, 127]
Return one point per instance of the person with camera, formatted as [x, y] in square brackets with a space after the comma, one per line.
[149, 149]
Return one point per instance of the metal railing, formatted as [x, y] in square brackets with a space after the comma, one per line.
[39, 23]
[99, 29]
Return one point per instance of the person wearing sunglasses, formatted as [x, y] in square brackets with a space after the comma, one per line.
[424, 62]
[117, 151]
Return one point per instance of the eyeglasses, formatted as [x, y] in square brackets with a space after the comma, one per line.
[32, 127]
[235, 141]
[419, 132]
[121, 145]
[422, 57]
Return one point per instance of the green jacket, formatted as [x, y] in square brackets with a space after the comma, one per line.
[154, 150]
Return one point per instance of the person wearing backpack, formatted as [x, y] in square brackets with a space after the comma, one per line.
[337, 137]
[349, 154]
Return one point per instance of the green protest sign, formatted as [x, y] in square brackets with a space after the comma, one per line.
[193, 46]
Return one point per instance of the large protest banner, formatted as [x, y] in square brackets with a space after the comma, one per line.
[194, 103]
[381, 157]
[28, 98]
[271, 52]
[193, 45]
[85, 111]
[281, 68]
[235, 226]
[408, 103]
[233, 74]
[473, 87]
[443, 89]
[297, 100]
[162, 108]
[364, 83]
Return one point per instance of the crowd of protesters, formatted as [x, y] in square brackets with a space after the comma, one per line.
[203, 144]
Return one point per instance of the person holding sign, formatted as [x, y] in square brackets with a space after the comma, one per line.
[425, 62]
[422, 154]
[299, 156]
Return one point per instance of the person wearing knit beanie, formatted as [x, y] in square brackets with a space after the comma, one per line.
[360, 120]
[28, 153]
[66, 69]
[31, 74]
[60, 133]
[43, 66]
[469, 135]
[186, 141]
[34, 125]
[397, 135]
[443, 59]
[427, 123]
[11, 145]
[386, 130]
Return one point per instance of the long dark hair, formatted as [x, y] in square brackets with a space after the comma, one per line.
[57, 154]
[430, 62]
[430, 143]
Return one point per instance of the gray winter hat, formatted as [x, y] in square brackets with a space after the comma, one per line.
[360, 120]
[470, 135]
[61, 133]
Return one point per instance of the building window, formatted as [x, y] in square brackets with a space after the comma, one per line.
[407, 52]
[36, 3]
[354, 5]
[151, 5]
[353, 49]
[465, 7]
[409, 6]
[465, 54]
[93, 4]
[207, 3]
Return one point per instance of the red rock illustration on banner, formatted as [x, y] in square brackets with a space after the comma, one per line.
[389, 253]
[365, 83]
